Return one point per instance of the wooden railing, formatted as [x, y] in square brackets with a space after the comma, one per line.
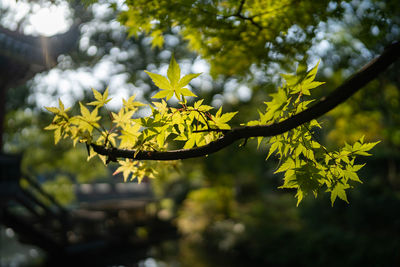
[29, 210]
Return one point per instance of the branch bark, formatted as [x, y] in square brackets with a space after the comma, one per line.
[369, 72]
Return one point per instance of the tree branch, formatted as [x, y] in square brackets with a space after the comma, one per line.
[339, 95]
[240, 7]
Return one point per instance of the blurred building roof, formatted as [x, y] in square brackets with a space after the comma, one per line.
[22, 56]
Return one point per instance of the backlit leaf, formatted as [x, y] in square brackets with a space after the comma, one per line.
[159, 80]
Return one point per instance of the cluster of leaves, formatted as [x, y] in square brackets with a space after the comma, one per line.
[307, 165]
[230, 32]
[188, 125]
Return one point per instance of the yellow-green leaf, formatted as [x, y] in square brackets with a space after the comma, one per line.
[101, 99]
[162, 94]
[339, 191]
[173, 72]
[187, 78]
[159, 80]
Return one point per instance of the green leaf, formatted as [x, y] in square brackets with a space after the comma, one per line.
[186, 79]
[291, 80]
[57, 135]
[221, 120]
[170, 94]
[290, 180]
[158, 39]
[88, 120]
[173, 72]
[198, 103]
[122, 118]
[161, 107]
[312, 73]
[127, 168]
[84, 111]
[357, 167]
[162, 94]
[59, 111]
[300, 149]
[172, 85]
[339, 191]
[228, 116]
[369, 146]
[131, 104]
[53, 110]
[186, 92]
[190, 143]
[275, 146]
[361, 149]
[351, 175]
[311, 85]
[288, 164]
[161, 138]
[159, 80]
[101, 99]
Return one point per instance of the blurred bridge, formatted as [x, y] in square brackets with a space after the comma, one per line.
[30, 211]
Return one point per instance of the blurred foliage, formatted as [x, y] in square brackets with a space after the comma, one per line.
[237, 34]
[263, 226]
[62, 189]
[216, 202]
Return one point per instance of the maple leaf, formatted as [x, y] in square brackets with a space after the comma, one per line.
[88, 120]
[61, 111]
[339, 191]
[127, 168]
[122, 117]
[131, 104]
[101, 99]
[57, 131]
[221, 120]
[135, 168]
[60, 123]
[174, 84]
[158, 39]
[107, 137]
[129, 135]
[161, 107]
